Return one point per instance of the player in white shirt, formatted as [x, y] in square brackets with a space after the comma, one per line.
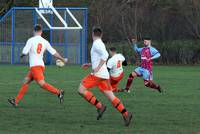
[35, 47]
[100, 78]
[115, 68]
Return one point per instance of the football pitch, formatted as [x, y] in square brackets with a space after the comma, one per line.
[177, 111]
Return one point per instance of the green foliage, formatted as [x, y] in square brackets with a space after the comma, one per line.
[174, 112]
[173, 52]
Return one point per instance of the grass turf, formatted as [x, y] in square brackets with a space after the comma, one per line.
[174, 112]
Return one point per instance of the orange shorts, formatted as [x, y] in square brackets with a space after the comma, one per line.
[91, 81]
[115, 81]
[36, 73]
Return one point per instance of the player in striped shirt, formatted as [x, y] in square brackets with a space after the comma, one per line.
[148, 54]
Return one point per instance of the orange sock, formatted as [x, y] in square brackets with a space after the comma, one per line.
[92, 99]
[51, 89]
[21, 93]
[119, 106]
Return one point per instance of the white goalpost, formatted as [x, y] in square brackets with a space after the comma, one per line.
[46, 7]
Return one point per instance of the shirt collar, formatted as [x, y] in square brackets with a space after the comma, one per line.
[98, 39]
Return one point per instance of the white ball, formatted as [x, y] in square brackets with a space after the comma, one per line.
[59, 63]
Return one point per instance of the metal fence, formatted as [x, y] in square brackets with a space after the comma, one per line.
[16, 26]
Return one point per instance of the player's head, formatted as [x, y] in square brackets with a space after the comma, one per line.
[97, 32]
[112, 51]
[38, 29]
[147, 41]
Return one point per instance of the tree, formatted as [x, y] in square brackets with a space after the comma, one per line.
[191, 14]
[6, 6]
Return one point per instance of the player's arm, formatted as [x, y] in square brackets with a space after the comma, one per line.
[58, 56]
[109, 65]
[52, 51]
[124, 63]
[86, 65]
[22, 55]
[26, 49]
[99, 66]
[135, 47]
[103, 55]
[155, 54]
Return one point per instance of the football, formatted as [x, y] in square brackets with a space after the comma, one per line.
[60, 63]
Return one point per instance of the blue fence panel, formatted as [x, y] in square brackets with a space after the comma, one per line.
[17, 24]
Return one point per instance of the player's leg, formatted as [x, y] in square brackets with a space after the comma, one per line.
[116, 102]
[38, 75]
[88, 96]
[148, 81]
[114, 83]
[107, 91]
[39, 78]
[131, 77]
[51, 89]
[89, 82]
[22, 91]
[48, 87]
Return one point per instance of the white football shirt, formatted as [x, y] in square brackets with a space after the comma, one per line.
[36, 47]
[98, 52]
[115, 65]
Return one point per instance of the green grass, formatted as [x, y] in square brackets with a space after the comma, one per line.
[177, 111]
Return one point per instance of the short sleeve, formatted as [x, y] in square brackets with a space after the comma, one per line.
[122, 57]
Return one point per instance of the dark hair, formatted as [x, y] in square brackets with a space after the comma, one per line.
[97, 31]
[147, 38]
[113, 49]
[37, 28]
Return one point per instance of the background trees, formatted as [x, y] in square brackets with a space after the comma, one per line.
[174, 25]
[162, 19]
